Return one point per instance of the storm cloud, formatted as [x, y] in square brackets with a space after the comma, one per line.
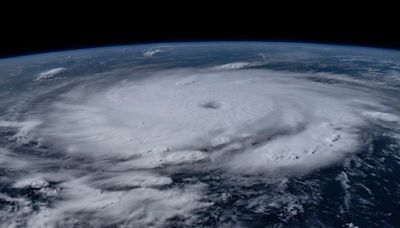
[120, 144]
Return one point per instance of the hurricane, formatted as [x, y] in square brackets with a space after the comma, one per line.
[225, 144]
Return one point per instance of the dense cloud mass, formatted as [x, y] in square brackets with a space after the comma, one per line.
[242, 121]
[121, 145]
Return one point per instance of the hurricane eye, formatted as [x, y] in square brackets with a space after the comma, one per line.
[210, 105]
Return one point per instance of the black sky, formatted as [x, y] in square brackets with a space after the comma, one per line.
[63, 27]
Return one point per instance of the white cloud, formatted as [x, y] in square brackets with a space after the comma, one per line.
[23, 134]
[50, 73]
[156, 50]
[130, 180]
[11, 161]
[121, 144]
[33, 182]
[382, 116]
[151, 52]
[14, 211]
[139, 207]
[239, 65]
[233, 66]
[298, 124]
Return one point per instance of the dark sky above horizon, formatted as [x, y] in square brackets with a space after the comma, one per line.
[51, 30]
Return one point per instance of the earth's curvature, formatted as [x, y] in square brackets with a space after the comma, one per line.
[229, 134]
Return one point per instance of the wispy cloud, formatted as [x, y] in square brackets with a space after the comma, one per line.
[49, 74]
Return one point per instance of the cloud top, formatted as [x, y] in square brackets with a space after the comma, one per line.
[121, 149]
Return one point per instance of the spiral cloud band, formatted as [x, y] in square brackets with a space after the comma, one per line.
[242, 121]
